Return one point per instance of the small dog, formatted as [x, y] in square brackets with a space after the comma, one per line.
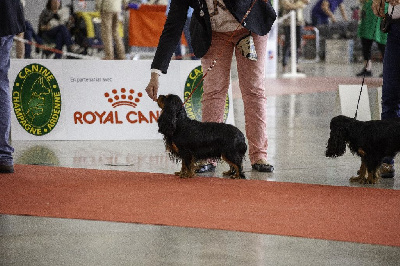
[371, 140]
[190, 140]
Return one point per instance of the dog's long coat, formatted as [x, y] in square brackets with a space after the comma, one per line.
[191, 140]
[371, 140]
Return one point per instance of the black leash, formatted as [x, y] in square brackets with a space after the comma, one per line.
[359, 96]
[363, 80]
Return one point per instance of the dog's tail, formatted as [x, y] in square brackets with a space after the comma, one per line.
[242, 147]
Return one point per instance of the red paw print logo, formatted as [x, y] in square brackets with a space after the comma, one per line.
[123, 97]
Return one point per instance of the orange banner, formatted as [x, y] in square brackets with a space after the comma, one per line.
[146, 25]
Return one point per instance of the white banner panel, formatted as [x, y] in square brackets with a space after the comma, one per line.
[348, 96]
[92, 100]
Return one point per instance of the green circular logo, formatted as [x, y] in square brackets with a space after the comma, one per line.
[193, 105]
[36, 99]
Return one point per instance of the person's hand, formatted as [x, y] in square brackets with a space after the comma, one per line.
[152, 87]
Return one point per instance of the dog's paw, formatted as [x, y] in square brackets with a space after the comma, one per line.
[372, 181]
[363, 180]
[228, 173]
[358, 179]
[370, 178]
[237, 177]
[182, 174]
[185, 174]
[233, 175]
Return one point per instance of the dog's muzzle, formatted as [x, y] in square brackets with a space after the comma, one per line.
[160, 101]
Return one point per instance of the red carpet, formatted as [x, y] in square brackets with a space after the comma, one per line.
[364, 215]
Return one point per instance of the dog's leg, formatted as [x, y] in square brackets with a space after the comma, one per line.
[182, 171]
[361, 173]
[192, 168]
[188, 169]
[377, 175]
[368, 179]
[230, 172]
[373, 177]
[373, 170]
[235, 170]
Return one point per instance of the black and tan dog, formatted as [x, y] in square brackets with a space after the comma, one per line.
[190, 140]
[371, 140]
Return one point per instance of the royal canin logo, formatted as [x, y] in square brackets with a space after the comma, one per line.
[118, 98]
[123, 97]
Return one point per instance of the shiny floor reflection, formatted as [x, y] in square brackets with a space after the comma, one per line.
[298, 130]
[46, 241]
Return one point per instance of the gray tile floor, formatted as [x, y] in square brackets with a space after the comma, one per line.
[298, 129]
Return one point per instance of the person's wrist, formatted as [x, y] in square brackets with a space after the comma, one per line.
[155, 71]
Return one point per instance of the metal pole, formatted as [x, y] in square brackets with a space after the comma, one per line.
[293, 46]
[293, 49]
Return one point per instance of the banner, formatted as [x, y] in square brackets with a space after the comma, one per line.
[96, 100]
[146, 25]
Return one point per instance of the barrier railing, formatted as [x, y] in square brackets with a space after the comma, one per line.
[53, 50]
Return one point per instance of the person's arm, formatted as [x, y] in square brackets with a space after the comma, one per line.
[325, 6]
[166, 46]
[342, 9]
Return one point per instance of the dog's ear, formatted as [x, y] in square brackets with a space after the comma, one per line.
[337, 139]
[168, 118]
[167, 123]
[336, 144]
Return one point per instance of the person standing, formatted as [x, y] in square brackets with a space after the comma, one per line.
[215, 30]
[110, 11]
[391, 72]
[324, 10]
[369, 32]
[12, 22]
